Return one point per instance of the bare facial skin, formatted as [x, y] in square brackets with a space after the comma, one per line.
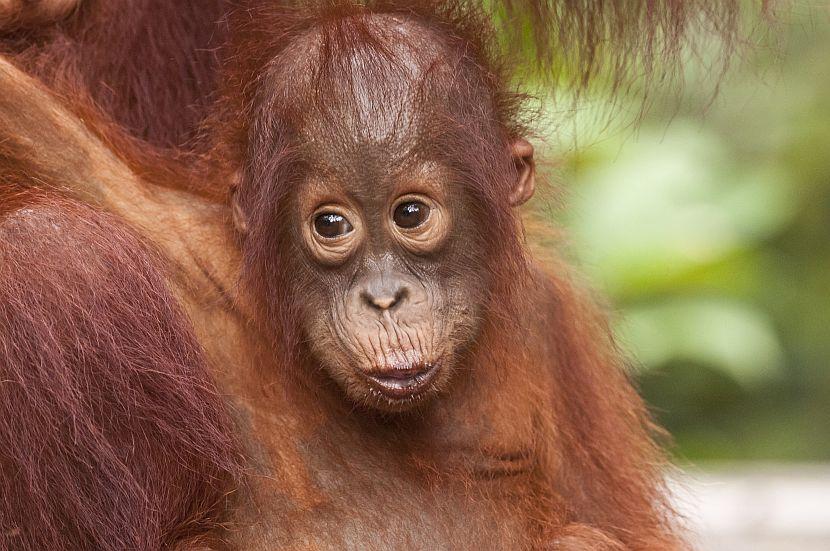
[393, 314]
[396, 265]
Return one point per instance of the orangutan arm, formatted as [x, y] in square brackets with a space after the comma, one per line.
[26, 13]
[52, 148]
[47, 146]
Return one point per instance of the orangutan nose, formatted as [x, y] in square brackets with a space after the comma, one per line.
[384, 293]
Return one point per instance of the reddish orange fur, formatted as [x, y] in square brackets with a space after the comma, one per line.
[113, 435]
[151, 443]
[149, 64]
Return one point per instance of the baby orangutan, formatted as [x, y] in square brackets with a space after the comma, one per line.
[340, 257]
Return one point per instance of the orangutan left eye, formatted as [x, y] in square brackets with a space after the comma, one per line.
[331, 225]
[410, 214]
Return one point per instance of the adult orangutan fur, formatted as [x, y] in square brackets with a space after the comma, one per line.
[139, 274]
[100, 373]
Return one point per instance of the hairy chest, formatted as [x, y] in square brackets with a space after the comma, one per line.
[338, 486]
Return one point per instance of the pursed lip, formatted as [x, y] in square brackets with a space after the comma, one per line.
[399, 383]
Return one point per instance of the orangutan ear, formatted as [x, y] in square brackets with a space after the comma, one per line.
[240, 221]
[525, 184]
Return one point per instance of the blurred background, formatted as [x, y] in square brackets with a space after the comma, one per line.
[708, 226]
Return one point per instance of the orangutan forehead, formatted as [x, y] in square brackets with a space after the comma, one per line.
[373, 81]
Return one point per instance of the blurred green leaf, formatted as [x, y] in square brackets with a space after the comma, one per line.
[735, 338]
[711, 233]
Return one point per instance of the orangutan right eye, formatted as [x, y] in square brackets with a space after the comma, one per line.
[410, 214]
[331, 225]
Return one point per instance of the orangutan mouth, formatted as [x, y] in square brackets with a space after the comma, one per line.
[400, 383]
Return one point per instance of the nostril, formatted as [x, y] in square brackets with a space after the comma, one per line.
[399, 297]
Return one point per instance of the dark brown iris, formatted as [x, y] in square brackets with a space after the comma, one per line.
[331, 225]
[410, 214]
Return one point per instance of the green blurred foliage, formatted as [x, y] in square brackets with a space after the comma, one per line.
[709, 227]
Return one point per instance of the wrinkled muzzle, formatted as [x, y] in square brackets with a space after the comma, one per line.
[393, 332]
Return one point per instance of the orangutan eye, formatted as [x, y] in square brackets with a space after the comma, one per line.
[410, 214]
[331, 225]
